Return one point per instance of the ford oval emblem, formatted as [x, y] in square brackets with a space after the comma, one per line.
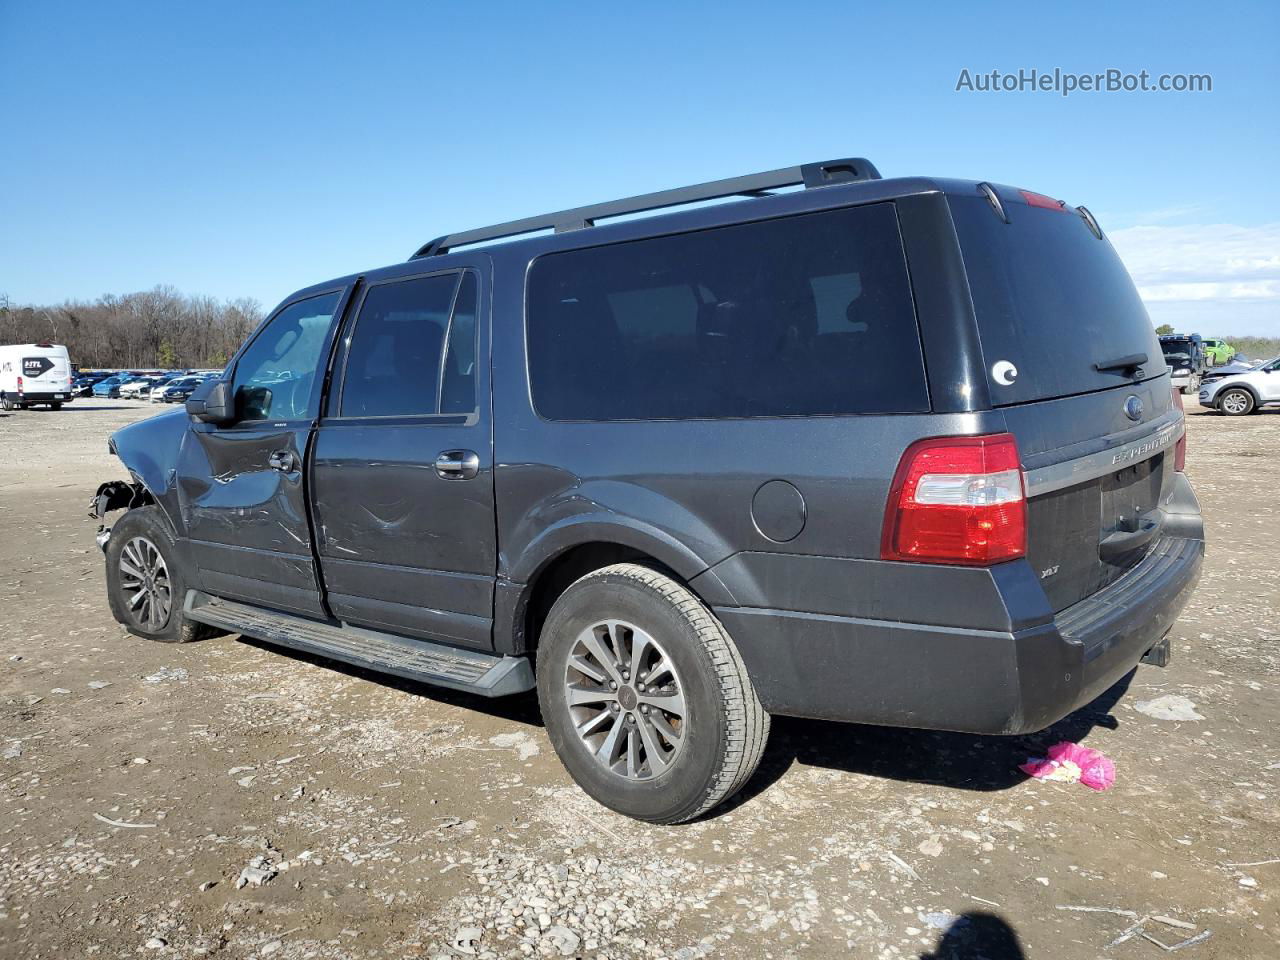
[1133, 407]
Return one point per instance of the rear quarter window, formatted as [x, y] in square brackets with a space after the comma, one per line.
[1052, 300]
[800, 316]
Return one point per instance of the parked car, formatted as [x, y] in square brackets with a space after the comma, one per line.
[1243, 392]
[1186, 358]
[33, 374]
[140, 388]
[176, 390]
[110, 387]
[643, 468]
[82, 386]
[1217, 352]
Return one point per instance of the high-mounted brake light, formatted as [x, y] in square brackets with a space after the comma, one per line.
[1040, 200]
[957, 500]
[1180, 448]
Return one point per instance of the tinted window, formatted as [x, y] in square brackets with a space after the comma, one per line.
[802, 316]
[458, 394]
[1052, 300]
[276, 375]
[394, 364]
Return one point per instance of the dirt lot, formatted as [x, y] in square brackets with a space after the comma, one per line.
[140, 780]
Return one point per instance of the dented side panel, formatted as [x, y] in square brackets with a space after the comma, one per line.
[247, 519]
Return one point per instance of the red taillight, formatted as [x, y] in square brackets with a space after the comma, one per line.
[1180, 448]
[1040, 200]
[957, 500]
[19, 384]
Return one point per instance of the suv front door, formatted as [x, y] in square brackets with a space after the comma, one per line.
[240, 485]
[403, 469]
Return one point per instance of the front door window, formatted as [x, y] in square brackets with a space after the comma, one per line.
[275, 377]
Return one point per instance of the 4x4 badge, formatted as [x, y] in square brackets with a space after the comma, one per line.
[1133, 407]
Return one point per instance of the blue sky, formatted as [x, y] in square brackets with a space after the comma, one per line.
[240, 149]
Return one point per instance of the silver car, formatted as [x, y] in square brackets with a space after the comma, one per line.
[1240, 393]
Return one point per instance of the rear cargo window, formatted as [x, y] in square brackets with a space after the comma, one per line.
[802, 316]
[1052, 300]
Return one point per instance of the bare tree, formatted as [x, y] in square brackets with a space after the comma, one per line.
[152, 328]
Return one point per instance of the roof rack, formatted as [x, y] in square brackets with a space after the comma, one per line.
[825, 173]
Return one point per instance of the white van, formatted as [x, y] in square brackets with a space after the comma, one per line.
[32, 373]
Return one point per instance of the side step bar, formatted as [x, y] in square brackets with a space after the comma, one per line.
[481, 673]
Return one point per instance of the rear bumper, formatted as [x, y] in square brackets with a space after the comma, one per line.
[43, 396]
[989, 677]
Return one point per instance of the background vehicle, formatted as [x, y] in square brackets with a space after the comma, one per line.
[141, 388]
[635, 450]
[110, 387]
[35, 373]
[1242, 393]
[176, 390]
[82, 385]
[1188, 363]
[1218, 352]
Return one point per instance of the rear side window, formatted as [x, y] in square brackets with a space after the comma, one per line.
[801, 316]
[1052, 300]
[405, 354]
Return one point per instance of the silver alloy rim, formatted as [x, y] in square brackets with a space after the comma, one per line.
[144, 580]
[626, 700]
[1234, 402]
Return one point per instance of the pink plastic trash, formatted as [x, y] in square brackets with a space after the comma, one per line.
[1071, 763]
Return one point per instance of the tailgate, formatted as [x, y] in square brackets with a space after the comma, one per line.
[1094, 503]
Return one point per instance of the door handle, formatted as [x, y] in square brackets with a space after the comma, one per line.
[283, 460]
[458, 465]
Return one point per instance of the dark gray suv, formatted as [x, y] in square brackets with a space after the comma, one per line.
[895, 451]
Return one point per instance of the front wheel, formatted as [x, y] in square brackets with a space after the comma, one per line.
[146, 585]
[1236, 403]
[645, 697]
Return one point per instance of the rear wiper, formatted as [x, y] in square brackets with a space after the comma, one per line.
[1128, 362]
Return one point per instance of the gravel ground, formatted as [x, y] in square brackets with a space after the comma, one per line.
[226, 798]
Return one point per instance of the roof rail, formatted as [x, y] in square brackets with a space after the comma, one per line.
[847, 170]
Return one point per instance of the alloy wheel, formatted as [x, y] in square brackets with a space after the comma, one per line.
[1235, 402]
[144, 581]
[626, 700]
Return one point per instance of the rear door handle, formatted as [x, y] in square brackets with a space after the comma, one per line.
[283, 460]
[458, 465]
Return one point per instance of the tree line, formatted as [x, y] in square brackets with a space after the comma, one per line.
[154, 329]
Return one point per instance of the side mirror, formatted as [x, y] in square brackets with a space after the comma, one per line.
[211, 402]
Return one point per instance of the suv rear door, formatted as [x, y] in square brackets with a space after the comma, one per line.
[1074, 364]
[403, 467]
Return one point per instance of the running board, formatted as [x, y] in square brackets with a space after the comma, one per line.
[480, 673]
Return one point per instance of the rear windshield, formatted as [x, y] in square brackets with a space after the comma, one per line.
[800, 316]
[1052, 301]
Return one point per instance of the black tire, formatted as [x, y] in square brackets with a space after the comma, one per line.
[7, 404]
[1236, 402]
[148, 524]
[55, 406]
[724, 727]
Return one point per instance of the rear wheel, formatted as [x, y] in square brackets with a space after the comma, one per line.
[55, 406]
[7, 404]
[645, 697]
[1236, 402]
[146, 585]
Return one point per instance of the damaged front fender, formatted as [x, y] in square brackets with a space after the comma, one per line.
[149, 450]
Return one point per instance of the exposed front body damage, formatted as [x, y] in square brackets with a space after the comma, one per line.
[149, 450]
